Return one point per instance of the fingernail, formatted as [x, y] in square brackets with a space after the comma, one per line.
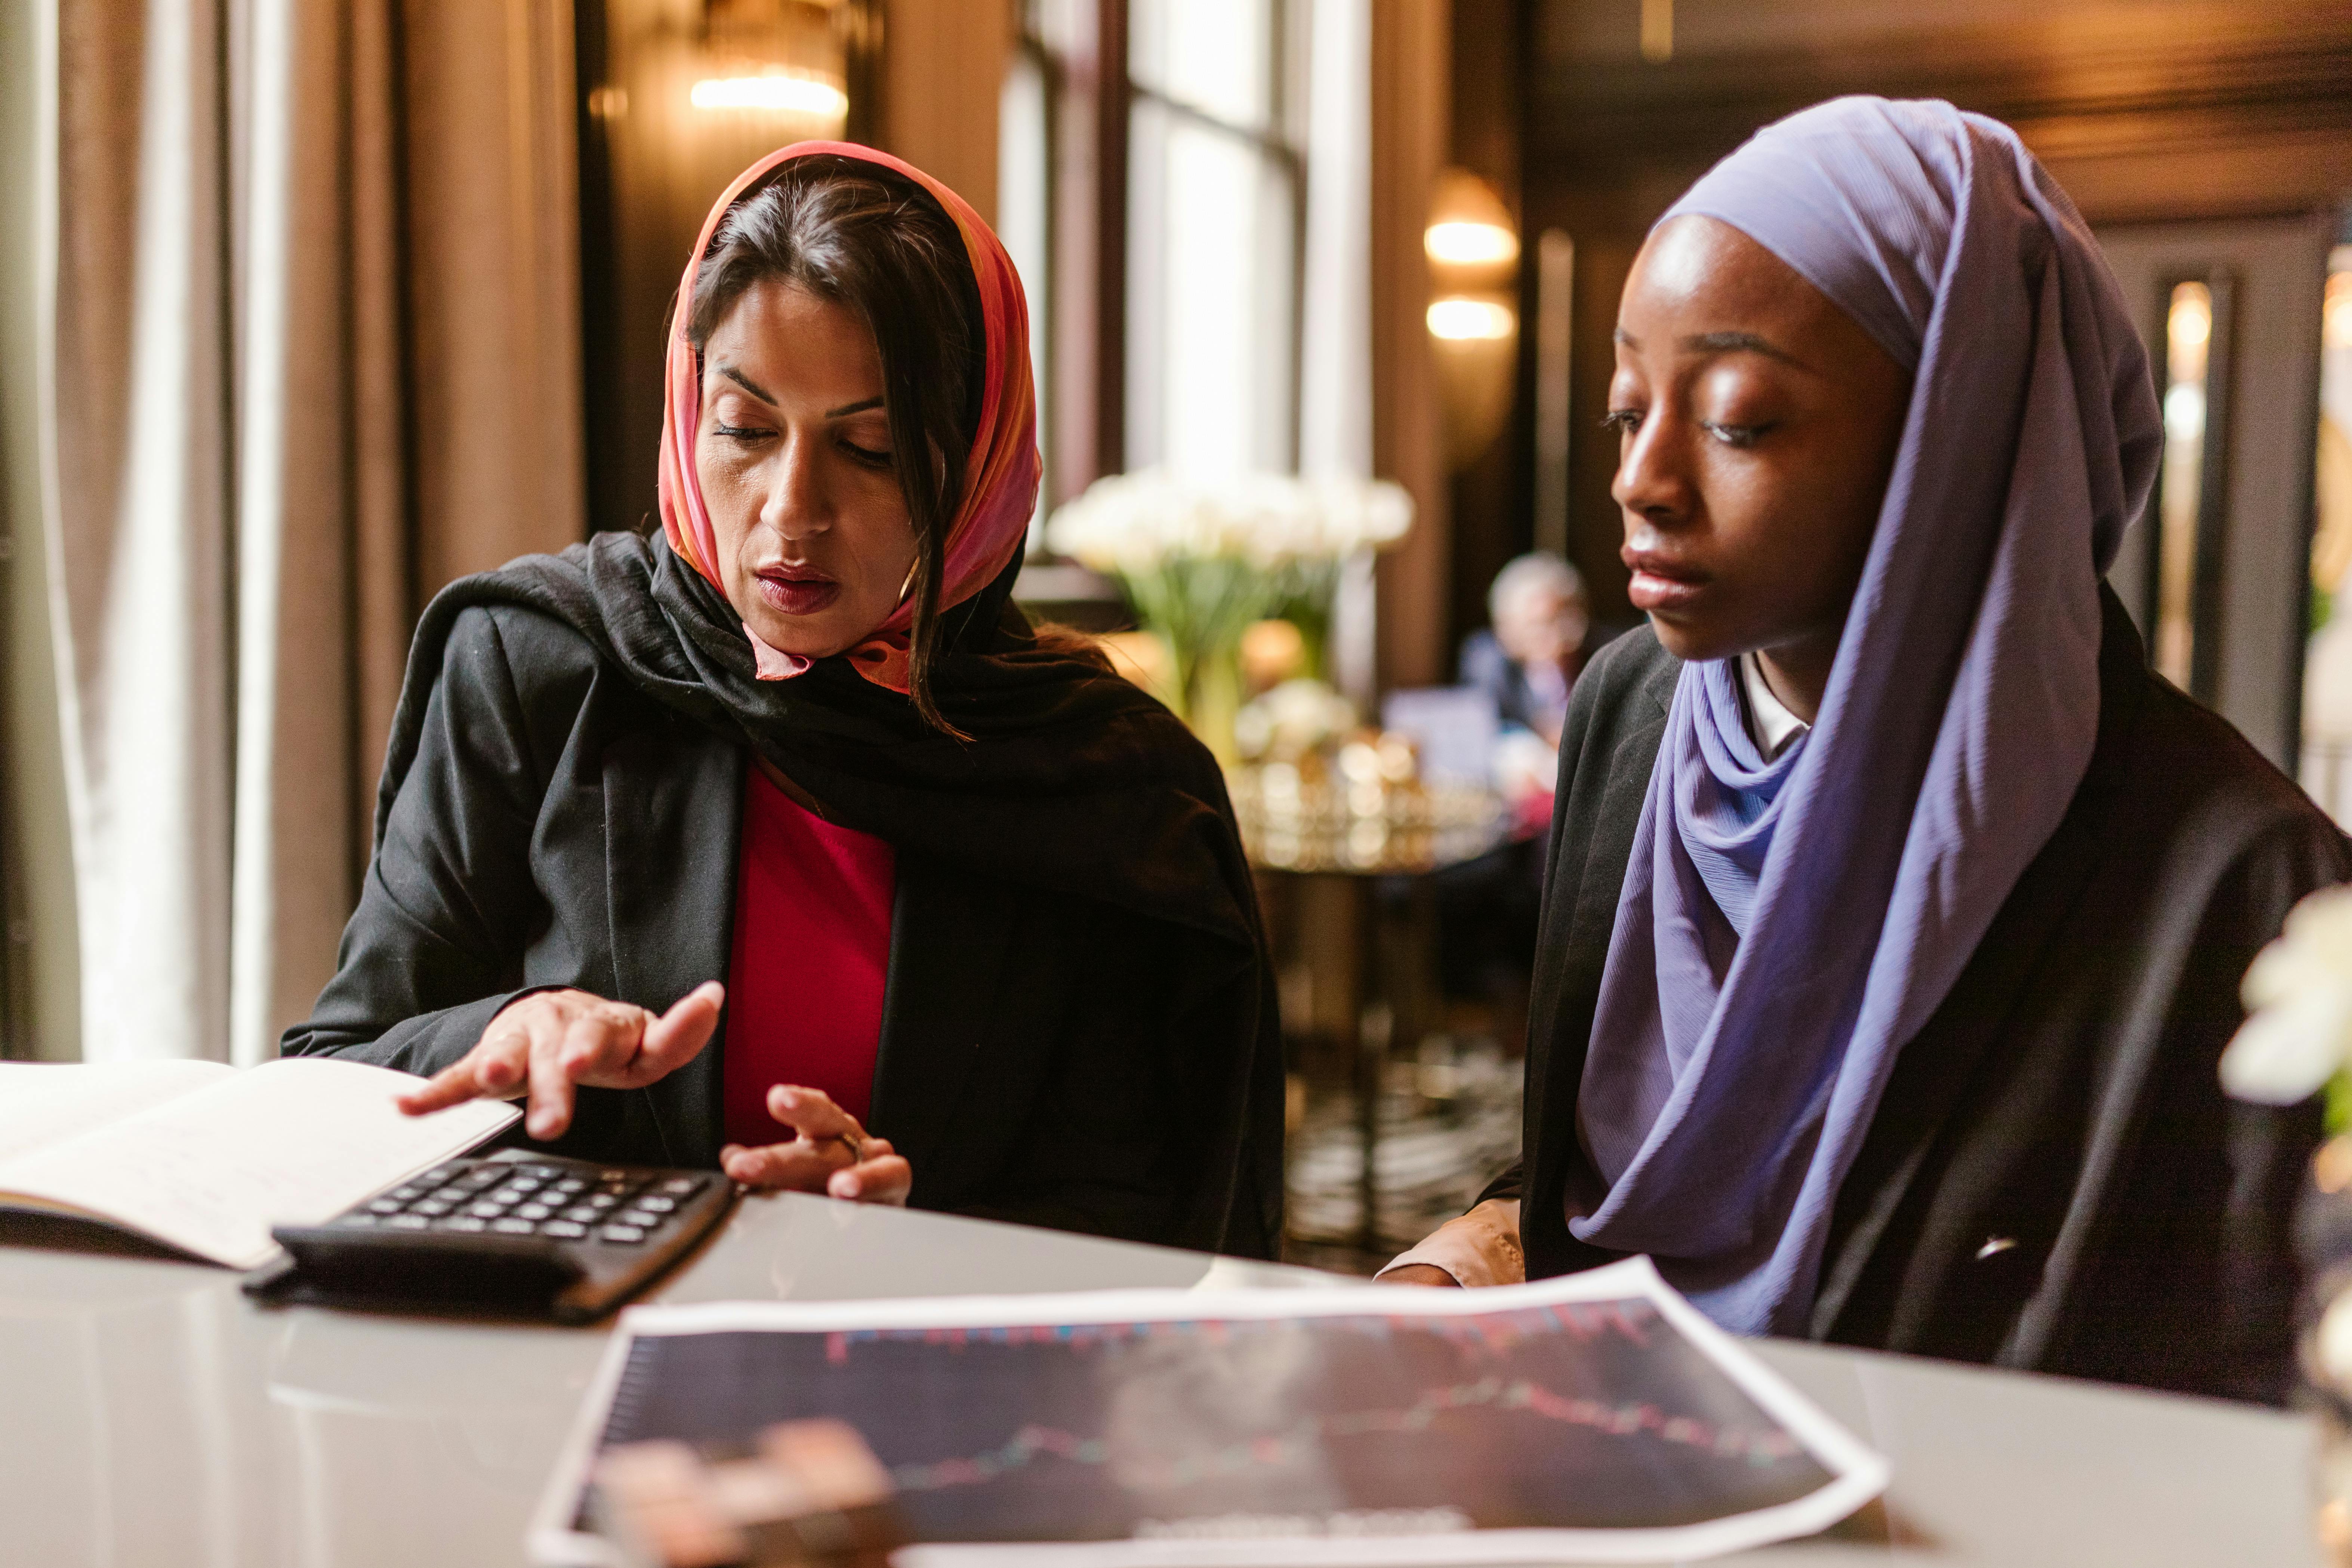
[845, 1186]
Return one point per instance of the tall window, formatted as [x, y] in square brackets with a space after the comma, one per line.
[1215, 194]
[1152, 191]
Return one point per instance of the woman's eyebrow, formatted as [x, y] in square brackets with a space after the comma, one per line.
[747, 385]
[849, 408]
[1737, 343]
[1720, 343]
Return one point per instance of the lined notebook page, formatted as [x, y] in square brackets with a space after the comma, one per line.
[289, 1142]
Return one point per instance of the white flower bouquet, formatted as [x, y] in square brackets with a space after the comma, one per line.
[1136, 524]
[2296, 1041]
[1200, 562]
[2298, 993]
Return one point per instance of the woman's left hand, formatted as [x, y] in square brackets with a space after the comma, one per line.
[832, 1155]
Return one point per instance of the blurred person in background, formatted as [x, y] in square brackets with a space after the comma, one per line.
[1529, 659]
[1523, 666]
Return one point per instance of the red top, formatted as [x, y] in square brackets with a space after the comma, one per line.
[812, 953]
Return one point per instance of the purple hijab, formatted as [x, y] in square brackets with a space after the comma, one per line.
[1785, 927]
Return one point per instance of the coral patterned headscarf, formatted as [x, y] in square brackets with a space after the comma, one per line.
[1000, 478]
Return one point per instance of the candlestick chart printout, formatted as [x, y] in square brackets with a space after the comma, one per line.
[1594, 1415]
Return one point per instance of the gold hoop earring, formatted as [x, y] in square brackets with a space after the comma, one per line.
[907, 586]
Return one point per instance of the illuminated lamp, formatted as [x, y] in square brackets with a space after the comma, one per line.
[1457, 318]
[1460, 242]
[1470, 238]
[774, 92]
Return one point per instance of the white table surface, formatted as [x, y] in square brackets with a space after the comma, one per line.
[149, 1415]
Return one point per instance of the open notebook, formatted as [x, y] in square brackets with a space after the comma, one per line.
[206, 1157]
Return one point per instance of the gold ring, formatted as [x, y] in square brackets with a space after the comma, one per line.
[855, 1145]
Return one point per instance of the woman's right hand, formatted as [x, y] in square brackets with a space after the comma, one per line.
[1421, 1274]
[1481, 1247]
[549, 1042]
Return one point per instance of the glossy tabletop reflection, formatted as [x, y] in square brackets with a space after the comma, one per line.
[149, 1414]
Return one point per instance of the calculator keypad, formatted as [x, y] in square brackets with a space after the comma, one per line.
[475, 1198]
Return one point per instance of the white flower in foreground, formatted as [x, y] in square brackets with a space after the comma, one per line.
[2299, 994]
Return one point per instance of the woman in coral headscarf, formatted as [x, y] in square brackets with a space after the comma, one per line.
[727, 847]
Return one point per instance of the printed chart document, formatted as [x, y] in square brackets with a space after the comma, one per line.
[206, 1157]
[1597, 1417]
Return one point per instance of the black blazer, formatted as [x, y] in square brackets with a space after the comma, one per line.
[2053, 1179]
[1043, 1059]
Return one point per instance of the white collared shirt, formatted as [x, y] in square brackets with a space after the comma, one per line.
[1769, 723]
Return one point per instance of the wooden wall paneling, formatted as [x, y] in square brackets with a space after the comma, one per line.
[647, 176]
[1490, 500]
[2242, 173]
[943, 71]
[1550, 292]
[2187, 111]
[1088, 369]
[2080, 81]
[1608, 224]
[1411, 50]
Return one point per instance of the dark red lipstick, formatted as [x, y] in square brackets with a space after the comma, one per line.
[797, 589]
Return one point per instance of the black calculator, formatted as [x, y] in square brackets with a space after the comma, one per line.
[509, 1233]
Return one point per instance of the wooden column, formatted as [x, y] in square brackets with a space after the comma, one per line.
[1089, 403]
[1411, 45]
[942, 73]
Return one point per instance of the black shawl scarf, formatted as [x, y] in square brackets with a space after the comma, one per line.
[1074, 783]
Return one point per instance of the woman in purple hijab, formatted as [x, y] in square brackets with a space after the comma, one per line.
[1896, 909]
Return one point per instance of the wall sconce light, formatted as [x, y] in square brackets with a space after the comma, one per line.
[756, 59]
[778, 92]
[1466, 242]
[1470, 230]
[1458, 317]
[1472, 247]
[1657, 31]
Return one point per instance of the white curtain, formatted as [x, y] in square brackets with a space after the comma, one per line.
[309, 348]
